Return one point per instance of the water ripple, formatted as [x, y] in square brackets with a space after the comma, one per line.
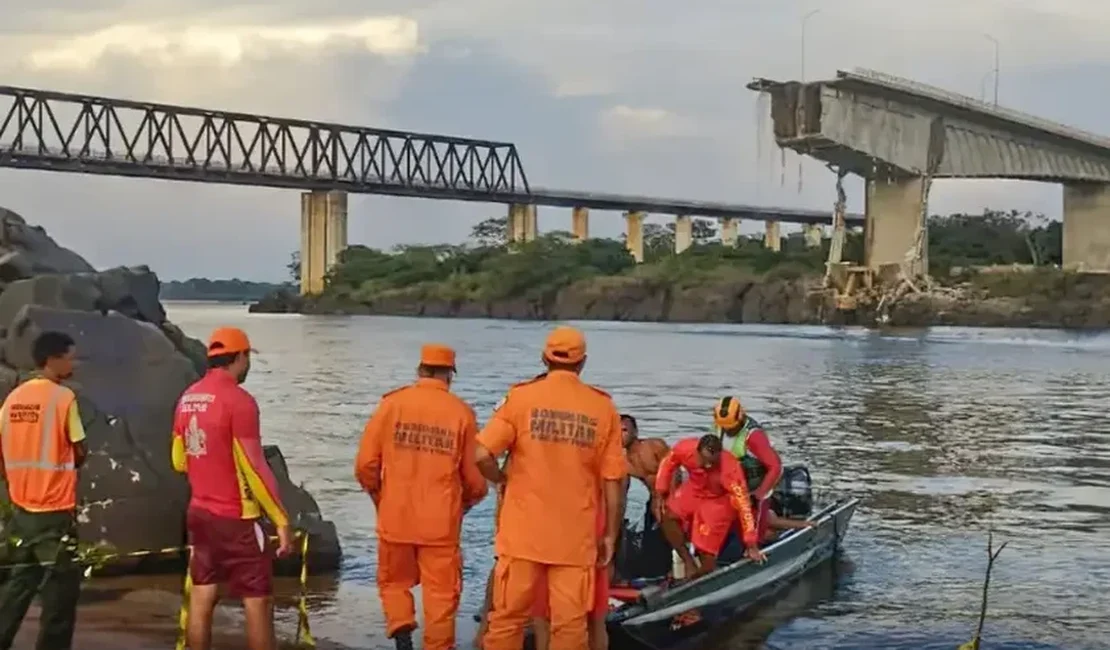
[943, 434]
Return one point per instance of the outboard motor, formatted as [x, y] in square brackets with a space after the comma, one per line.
[794, 492]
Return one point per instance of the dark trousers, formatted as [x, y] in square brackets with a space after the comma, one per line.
[44, 545]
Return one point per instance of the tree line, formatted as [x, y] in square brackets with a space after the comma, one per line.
[488, 266]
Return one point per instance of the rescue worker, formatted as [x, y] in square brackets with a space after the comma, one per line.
[597, 634]
[703, 508]
[43, 443]
[746, 440]
[564, 437]
[417, 461]
[483, 617]
[217, 443]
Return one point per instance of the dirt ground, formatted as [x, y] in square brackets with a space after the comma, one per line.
[115, 615]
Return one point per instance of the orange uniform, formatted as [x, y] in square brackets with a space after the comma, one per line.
[39, 426]
[565, 440]
[710, 501]
[540, 608]
[417, 460]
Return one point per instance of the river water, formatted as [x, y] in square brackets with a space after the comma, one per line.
[943, 434]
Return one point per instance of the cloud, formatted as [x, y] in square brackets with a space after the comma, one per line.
[621, 96]
[382, 36]
[623, 121]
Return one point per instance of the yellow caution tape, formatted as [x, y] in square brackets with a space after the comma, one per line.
[183, 617]
[304, 633]
[95, 558]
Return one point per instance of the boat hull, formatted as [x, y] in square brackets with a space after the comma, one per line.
[681, 616]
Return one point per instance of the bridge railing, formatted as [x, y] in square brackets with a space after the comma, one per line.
[929, 91]
[42, 129]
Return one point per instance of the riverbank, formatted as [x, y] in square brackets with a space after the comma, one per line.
[1040, 298]
[142, 614]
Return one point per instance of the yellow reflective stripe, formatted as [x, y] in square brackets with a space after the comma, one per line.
[46, 431]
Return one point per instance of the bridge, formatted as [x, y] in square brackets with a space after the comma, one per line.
[63, 132]
[900, 134]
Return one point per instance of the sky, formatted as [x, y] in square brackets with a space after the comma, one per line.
[630, 96]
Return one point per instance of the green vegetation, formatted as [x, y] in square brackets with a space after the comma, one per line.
[204, 289]
[487, 268]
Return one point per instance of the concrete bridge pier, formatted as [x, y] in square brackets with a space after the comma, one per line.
[772, 238]
[730, 229]
[634, 221]
[893, 211]
[814, 234]
[683, 233]
[521, 222]
[323, 236]
[1086, 233]
[580, 223]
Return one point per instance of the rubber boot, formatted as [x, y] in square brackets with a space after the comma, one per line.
[402, 640]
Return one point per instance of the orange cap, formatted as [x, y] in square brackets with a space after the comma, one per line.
[228, 340]
[436, 355]
[565, 345]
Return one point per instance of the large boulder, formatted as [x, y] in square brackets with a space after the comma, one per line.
[133, 365]
[27, 250]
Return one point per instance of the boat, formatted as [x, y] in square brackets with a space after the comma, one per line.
[654, 614]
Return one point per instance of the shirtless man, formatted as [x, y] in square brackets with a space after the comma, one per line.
[644, 455]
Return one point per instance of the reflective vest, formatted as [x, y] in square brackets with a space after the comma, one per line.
[38, 456]
[737, 445]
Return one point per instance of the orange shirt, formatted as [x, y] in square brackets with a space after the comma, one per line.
[727, 478]
[565, 439]
[417, 457]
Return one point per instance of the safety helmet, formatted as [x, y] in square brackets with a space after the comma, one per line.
[729, 413]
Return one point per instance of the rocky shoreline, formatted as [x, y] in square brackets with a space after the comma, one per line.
[1019, 299]
[133, 366]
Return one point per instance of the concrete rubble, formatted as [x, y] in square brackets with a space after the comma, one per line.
[133, 365]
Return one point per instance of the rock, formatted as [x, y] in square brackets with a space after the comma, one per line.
[278, 302]
[27, 250]
[133, 292]
[64, 291]
[133, 365]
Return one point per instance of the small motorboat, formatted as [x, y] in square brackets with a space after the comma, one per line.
[655, 614]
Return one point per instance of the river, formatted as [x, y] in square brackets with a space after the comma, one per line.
[943, 434]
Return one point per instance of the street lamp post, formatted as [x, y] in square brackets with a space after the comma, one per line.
[996, 48]
[805, 19]
[983, 86]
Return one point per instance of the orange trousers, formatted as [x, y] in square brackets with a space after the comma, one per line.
[570, 594]
[438, 569]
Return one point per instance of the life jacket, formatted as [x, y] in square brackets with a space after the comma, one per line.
[737, 445]
[39, 459]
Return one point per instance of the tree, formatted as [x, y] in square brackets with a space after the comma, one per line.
[491, 232]
[294, 266]
[658, 241]
[991, 238]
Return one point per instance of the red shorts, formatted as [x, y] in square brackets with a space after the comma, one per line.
[600, 609]
[706, 520]
[229, 551]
